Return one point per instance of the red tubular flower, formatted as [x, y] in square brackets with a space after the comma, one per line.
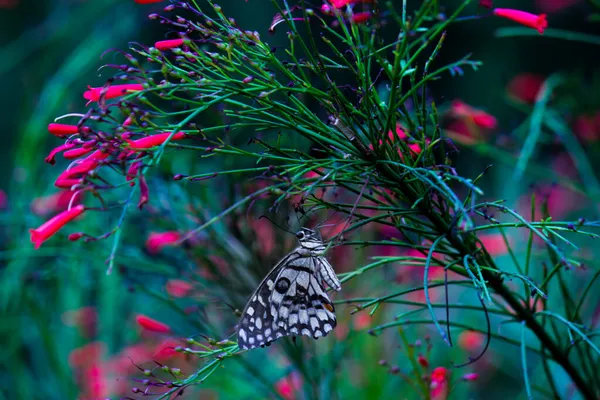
[157, 240]
[76, 153]
[62, 129]
[479, 117]
[343, 3]
[89, 163]
[50, 159]
[537, 22]
[110, 92]
[144, 192]
[439, 384]
[168, 44]
[153, 141]
[151, 325]
[45, 231]
[132, 171]
[66, 183]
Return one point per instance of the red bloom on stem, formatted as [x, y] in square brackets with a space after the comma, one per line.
[110, 92]
[479, 117]
[50, 159]
[422, 361]
[62, 129]
[343, 3]
[439, 384]
[152, 325]
[537, 22]
[157, 240]
[76, 153]
[152, 141]
[87, 164]
[168, 44]
[66, 183]
[45, 231]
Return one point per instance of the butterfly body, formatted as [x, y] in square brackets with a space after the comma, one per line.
[292, 300]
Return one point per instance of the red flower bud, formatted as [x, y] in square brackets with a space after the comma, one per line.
[73, 237]
[76, 153]
[66, 183]
[62, 129]
[152, 141]
[168, 44]
[470, 377]
[110, 92]
[178, 288]
[152, 325]
[45, 231]
[537, 22]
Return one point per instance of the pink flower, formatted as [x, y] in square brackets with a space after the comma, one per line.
[470, 341]
[178, 287]
[587, 127]
[76, 153]
[62, 129]
[51, 157]
[439, 384]
[479, 117]
[168, 44]
[287, 386]
[537, 22]
[45, 231]
[151, 325]
[525, 87]
[86, 355]
[87, 164]
[66, 183]
[157, 240]
[470, 377]
[166, 350]
[343, 3]
[152, 141]
[110, 92]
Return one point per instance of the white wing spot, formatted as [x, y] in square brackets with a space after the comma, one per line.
[242, 334]
[314, 323]
[270, 284]
[259, 338]
[293, 319]
[268, 332]
[327, 328]
[284, 312]
[305, 332]
[318, 333]
[303, 317]
[259, 323]
[294, 330]
[322, 315]
[250, 311]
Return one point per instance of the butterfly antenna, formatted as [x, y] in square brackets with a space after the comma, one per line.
[276, 224]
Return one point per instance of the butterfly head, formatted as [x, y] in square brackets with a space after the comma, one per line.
[309, 239]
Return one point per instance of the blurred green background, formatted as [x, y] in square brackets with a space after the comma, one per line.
[50, 51]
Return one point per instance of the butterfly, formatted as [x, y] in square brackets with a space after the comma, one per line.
[291, 299]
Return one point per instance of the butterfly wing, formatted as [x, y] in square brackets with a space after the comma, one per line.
[289, 301]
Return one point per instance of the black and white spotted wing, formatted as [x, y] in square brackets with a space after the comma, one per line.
[291, 300]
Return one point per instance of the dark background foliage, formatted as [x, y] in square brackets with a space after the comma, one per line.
[50, 51]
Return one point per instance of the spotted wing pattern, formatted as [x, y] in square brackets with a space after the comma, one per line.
[291, 300]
